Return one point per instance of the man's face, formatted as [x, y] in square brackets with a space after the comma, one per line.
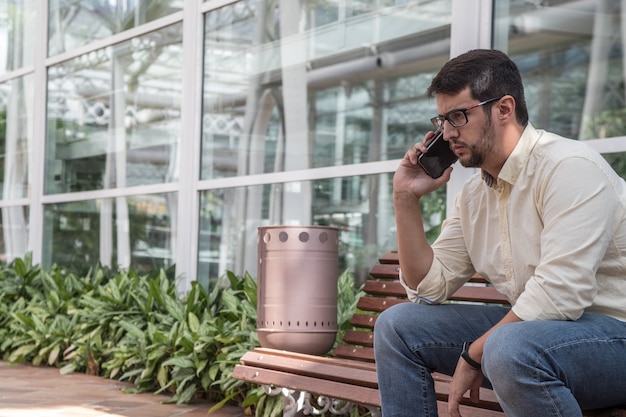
[474, 141]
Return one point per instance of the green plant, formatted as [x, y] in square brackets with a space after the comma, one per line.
[137, 328]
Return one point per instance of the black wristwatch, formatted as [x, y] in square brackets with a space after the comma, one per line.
[465, 355]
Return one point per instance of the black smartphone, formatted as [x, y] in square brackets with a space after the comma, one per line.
[439, 156]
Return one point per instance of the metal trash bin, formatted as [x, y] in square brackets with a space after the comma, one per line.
[297, 288]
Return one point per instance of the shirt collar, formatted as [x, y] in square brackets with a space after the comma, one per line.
[517, 159]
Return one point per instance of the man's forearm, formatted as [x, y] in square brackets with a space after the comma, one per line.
[415, 253]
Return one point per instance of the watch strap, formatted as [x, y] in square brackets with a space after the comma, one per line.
[466, 357]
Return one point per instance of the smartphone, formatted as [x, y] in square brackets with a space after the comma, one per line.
[439, 156]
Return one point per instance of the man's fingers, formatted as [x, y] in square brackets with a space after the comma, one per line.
[474, 395]
[453, 408]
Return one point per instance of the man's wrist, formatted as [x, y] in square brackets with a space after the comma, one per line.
[467, 358]
[406, 199]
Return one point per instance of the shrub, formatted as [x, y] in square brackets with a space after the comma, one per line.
[118, 324]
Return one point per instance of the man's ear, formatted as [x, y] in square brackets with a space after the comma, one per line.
[505, 108]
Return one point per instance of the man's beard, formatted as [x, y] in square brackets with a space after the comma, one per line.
[479, 150]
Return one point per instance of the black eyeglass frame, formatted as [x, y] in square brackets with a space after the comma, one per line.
[438, 121]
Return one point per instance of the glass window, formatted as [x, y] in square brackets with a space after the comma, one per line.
[16, 132]
[17, 34]
[15, 231]
[374, 120]
[73, 23]
[326, 84]
[136, 232]
[572, 61]
[359, 206]
[114, 115]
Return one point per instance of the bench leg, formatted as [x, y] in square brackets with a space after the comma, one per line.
[291, 407]
[323, 404]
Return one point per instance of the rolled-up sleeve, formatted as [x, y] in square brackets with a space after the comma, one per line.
[451, 266]
[431, 290]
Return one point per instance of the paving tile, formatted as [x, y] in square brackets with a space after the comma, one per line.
[29, 391]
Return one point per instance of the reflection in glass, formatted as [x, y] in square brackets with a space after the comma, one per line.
[15, 231]
[17, 33]
[114, 115]
[281, 94]
[79, 235]
[76, 23]
[375, 120]
[16, 133]
[572, 61]
[359, 206]
[16, 130]
[618, 162]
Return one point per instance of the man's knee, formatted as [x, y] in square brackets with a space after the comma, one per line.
[506, 353]
[394, 319]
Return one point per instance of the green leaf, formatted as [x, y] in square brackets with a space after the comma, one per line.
[200, 365]
[187, 394]
[194, 323]
[163, 376]
[21, 352]
[222, 403]
[68, 369]
[19, 267]
[132, 329]
[54, 355]
[179, 361]
[213, 371]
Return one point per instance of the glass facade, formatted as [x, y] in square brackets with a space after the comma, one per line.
[317, 92]
[571, 56]
[153, 134]
[75, 23]
[16, 133]
[114, 115]
[17, 21]
[133, 231]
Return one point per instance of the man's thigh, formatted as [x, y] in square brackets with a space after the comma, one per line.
[588, 356]
[434, 334]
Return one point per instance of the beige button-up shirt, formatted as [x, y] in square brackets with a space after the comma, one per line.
[549, 233]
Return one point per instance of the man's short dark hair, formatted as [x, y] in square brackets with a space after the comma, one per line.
[488, 73]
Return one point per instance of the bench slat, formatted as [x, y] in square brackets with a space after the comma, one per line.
[354, 352]
[377, 304]
[479, 294]
[320, 386]
[361, 338]
[390, 258]
[384, 288]
[385, 271]
[356, 364]
[476, 293]
[363, 321]
[338, 370]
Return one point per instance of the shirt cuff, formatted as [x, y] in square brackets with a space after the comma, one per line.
[426, 291]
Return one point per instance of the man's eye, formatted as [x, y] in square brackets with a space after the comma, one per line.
[457, 117]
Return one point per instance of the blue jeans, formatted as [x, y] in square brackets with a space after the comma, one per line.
[536, 368]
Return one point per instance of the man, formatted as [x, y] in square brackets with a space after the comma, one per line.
[545, 222]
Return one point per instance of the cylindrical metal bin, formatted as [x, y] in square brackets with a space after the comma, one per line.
[297, 288]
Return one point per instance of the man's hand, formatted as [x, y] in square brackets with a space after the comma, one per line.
[410, 177]
[465, 379]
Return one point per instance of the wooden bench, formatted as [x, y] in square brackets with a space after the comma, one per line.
[349, 375]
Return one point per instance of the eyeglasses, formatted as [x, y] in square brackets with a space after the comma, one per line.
[457, 117]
